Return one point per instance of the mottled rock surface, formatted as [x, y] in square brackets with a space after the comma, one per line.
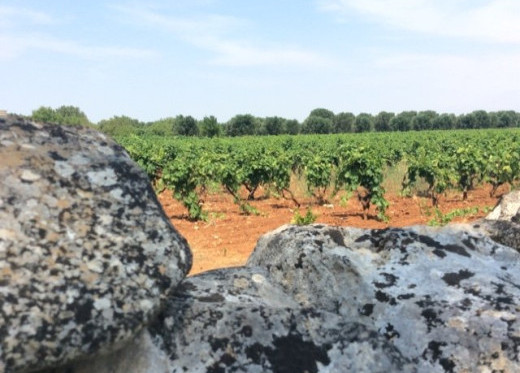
[447, 299]
[86, 253]
[503, 223]
[508, 208]
[235, 320]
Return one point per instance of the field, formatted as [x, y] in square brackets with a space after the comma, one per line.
[222, 194]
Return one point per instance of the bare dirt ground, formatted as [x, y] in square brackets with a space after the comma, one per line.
[228, 237]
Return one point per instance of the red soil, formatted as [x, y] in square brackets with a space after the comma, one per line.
[228, 237]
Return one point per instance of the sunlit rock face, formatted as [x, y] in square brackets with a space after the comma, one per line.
[86, 253]
[446, 299]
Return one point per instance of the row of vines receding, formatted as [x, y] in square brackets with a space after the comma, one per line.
[327, 164]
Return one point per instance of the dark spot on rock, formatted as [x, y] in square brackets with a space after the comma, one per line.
[255, 353]
[42, 233]
[363, 238]
[432, 320]
[495, 355]
[390, 280]
[468, 242]
[299, 263]
[282, 357]
[428, 241]
[454, 279]
[56, 156]
[457, 250]
[212, 298]
[367, 309]
[390, 332]
[83, 310]
[246, 331]
[448, 365]
[407, 241]
[337, 237]
[383, 297]
[218, 343]
[439, 253]
[405, 296]
[436, 351]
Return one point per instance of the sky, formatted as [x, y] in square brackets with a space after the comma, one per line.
[161, 58]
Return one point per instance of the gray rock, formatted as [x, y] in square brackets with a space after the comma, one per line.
[503, 223]
[508, 208]
[139, 355]
[86, 252]
[236, 320]
[447, 299]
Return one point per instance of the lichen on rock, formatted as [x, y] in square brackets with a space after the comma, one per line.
[86, 252]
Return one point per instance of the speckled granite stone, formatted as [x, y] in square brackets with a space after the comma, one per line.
[235, 320]
[86, 253]
[447, 299]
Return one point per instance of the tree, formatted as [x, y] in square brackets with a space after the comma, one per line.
[66, 115]
[292, 127]
[506, 119]
[402, 121]
[209, 127]
[72, 116]
[382, 121]
[274, 125]
[343, 122]
[480, 119]
[424, 120]
[120, 126]
[185, 126]
[322, 113]
[315, 124]
[241, 125]
[161, 127]
[45, 114]
[444, 122]
[363, 122]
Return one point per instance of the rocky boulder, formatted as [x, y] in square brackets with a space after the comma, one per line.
[86, 252]
[503, 223]
[447, 299]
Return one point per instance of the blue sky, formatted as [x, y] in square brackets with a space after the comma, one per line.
[155, 59]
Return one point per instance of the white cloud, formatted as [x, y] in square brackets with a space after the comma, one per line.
[8, 14]
[16, 40]
[15, 46]
[488, 20]
[211, 33]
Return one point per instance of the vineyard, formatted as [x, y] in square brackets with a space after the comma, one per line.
[355, 165]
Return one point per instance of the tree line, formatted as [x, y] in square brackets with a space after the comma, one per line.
[319, 121]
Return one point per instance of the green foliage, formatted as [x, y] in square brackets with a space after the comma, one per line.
[343, 123]
[209, 127]
[292, 127]
[241, 125]
[441, 219]
[306, 219]
[315, 124]
[382, 121]
[439, 161]
[185, 126]
[162, 127]
[65, 115]
[363, 123]
[120, 126]
[274, 125]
